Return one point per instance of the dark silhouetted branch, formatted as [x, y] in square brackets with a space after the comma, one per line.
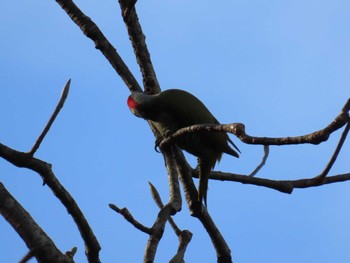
[157, 199]
[184, 236]
[129, 5]
[199, 211]
[128, 216]
[284, 186]
[59, 106]
[25, 160]
[138, 41]
[39, 243]
[238, 129]
[91, 30]
[165, 213]
[171, 208]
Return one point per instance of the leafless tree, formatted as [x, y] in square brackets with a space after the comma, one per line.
[179, 171]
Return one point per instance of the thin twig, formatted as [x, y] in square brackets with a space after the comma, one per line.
[27, 256]
[336, 152]
[72, 252]
[59, 106]
[263, 161]
[128, 216]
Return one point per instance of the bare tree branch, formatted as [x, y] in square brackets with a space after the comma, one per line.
[336, 152]
[39, 243]
[128, 216]
[238, 129]
[171, 208]
[91, 30]
[25, 160]
[130, 5]
[27, 257]
[184, 236]
[52, 118]
[174, 159]
[157, 199]
[198, 210]
[165, 213]
[138, 41]
[263, 161]
[284, 186]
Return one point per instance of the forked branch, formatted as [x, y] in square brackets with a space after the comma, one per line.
[25, 160]
[165, 213]
[91, 30]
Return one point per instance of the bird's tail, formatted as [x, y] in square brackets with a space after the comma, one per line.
[204, 168]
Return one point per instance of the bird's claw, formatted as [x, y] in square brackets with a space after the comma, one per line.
[159, 141]
[156, 145]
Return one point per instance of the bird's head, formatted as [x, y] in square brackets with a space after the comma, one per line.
[141, 104]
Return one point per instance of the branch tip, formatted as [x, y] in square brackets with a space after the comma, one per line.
[58, 108]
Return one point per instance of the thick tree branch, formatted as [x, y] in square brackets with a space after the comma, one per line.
[91, 30]
[129, 5]
[138, 41]
[25, 160]
[39, 243]
[198, 210]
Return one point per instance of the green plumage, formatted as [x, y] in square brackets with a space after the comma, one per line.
[174, 109]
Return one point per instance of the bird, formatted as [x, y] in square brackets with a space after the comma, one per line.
[173, 109]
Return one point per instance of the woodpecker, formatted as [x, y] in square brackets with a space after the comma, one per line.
[174, 109]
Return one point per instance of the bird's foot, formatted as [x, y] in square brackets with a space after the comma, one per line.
[157, 143]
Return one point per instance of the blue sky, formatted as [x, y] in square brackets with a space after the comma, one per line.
[280, 67]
